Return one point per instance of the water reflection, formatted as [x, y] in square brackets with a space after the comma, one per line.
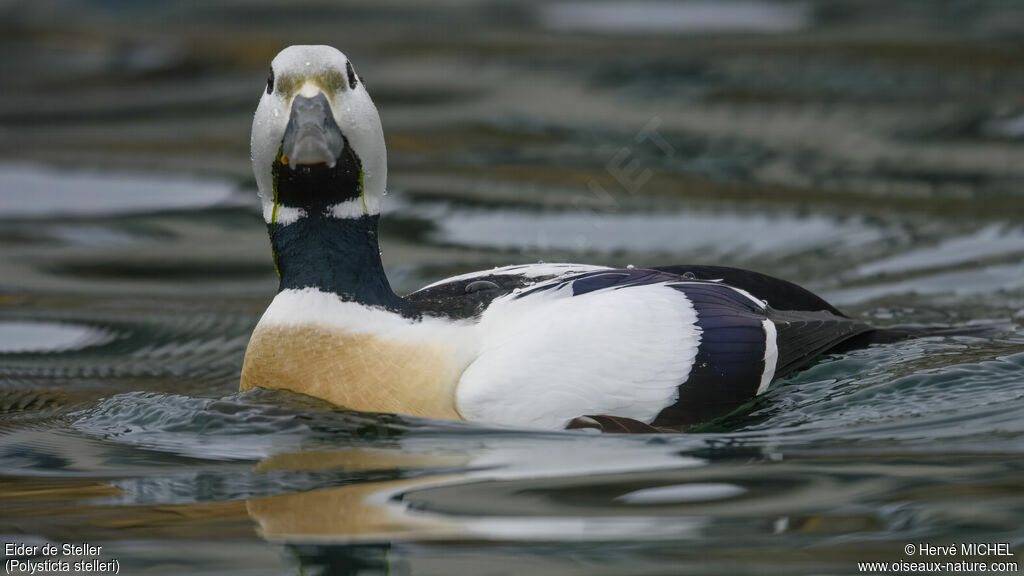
[21, 337]
[711, 234]
[868, 150]
[730, 16]
[31, 191]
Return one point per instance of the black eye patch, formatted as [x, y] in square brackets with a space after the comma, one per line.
[270, 81]
[352, 79]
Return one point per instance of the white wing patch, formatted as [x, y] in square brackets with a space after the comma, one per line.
[540, 270]
[547, 358]
[771, 355]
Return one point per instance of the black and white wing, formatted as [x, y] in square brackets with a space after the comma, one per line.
[468, 295]
[648, 345]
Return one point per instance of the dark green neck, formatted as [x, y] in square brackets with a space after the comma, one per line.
[338, 255]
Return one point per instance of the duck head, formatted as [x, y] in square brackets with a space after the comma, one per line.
[321, 167]
[317, 143]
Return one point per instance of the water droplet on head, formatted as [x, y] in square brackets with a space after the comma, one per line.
[689, 275]
[630, 267]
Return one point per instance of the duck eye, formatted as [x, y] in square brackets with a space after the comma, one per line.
[270, 81]
[352, 80]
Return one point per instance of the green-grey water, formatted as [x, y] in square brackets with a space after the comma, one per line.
[871, 151]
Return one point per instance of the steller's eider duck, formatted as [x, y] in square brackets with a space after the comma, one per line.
[537, 345]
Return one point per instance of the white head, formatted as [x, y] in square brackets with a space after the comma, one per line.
[291, 119]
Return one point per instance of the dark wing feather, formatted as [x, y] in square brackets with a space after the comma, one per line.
[730, 359]
[802, 336]
[466, 298]
[779, 294]
[452, 300]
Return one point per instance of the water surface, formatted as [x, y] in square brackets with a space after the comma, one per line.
[871, 151]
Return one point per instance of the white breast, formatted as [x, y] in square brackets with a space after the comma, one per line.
[549, 357]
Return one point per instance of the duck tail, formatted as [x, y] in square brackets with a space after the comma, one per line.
[900, 333]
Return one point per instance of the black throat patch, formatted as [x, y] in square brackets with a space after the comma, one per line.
[314, 187]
